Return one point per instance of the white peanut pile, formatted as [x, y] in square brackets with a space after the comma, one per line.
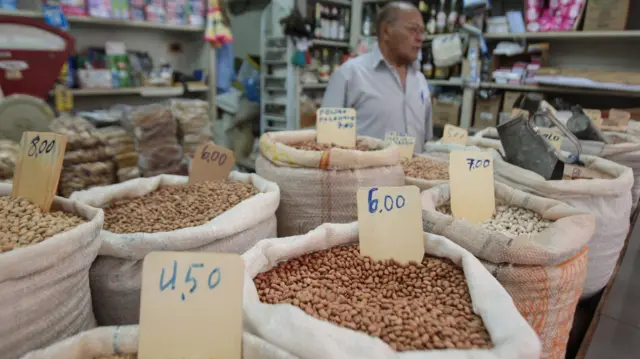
[510, 220]
[22, 223]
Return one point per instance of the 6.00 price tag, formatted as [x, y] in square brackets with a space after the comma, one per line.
[471, 185]
[336, 126]
[191, 305]
[211, 163]
[390, 223]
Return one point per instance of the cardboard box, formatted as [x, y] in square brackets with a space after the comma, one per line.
[510, 98]
[445, 112]
[487, 111]
[610, 15]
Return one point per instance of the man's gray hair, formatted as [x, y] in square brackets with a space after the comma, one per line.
[389, 14]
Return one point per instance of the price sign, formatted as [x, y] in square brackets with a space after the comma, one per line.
[336, 126]
[594, 115]
[471, 183]
[211, 163]
[405, 142]
[619, 117]
[573, 172]
[38, 167]
[191, 305]
[453, 134]
[553, 136]
[390, 223]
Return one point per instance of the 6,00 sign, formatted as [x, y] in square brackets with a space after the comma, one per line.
[389, 202]
[214, 156]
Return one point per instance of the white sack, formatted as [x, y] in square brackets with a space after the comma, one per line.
[106, 341]
[44, 288]
[116, 274]
[290, 328]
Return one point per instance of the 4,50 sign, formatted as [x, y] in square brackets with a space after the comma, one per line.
[213, 279]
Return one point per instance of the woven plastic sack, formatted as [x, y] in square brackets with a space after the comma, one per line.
[424, 184]
[543, 272]
[116, 274]
[290, 328]
[106, 341]
[44, 288]
[318, 187]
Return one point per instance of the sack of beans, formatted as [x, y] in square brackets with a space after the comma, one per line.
[607, 197]
[121, 342]
[164, 213]
[316, 297]
[44, 271]
[535, 247]
[425, 171]
[319, 182]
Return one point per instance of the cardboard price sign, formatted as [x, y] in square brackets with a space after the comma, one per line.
[471, 185]
[336, 126]
[405, 142]
[454, 134]
[211, 163]
[594, 115]
[38, 167]
[553, 136]
[618, 118]
[390, 223]
[573, 172]
[191, 305]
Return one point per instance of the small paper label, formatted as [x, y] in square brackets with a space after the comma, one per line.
[572, 172]
[471, 184]
[595, 116]
[336, 126]
[211, 163]
[454, 134]
[553, 136]
[405, 142]
[618, 118]
[191, 305]
[390, 223]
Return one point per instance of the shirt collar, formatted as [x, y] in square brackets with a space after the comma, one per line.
[379, 59]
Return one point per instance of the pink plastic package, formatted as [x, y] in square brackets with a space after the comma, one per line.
[74, 7]
[99, 8]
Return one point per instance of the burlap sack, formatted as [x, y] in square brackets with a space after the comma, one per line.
[44, 288]
[544, 272]
[424, 184]
[292, 329]
[117, 272]
[106, 341]
[318, 187]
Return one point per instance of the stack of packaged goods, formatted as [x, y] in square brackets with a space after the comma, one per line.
[8, 157]
[193, 123]
[126, 158]
[87, 160]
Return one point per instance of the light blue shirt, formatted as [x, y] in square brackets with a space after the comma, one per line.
[372, 86]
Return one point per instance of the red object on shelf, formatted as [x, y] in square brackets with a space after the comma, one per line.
[32, 71]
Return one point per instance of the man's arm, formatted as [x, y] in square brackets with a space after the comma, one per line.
[336, 93]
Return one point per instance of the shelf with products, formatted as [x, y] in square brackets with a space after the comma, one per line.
[569, 35]
[557, 89]
[331, 23]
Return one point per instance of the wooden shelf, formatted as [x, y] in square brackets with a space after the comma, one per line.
[318, 86]
[573, 35]
[451, 83]
[558, 89]
[329, 43]
[138, 91]
[337, 2]
[108, 22]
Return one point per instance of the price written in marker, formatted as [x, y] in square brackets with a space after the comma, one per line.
[405, 142]
[211, 163]
[336, 126]
[454, 134]
[553, 136]
[38, 168]
[618, 117]
[390, 223]
[471, 185]
[191, 305]
[594, 115]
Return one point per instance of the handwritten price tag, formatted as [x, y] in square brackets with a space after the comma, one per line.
[405, 142]
[553, 136]
[573, 172]
[191, 305]
[38, 167]
[390, 223]
[454, 134]
[336, 126]
[618, 118]
[594, 115]
[211, 163]
[471, 183]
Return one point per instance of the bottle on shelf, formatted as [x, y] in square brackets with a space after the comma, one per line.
[427, 63]
[452, 19]
[337, 60]
[424, 10]
[441, 19]
[325, 68]
[318, 19]
[431, 23]
[335, 27]
[367, 21]
[345, 27]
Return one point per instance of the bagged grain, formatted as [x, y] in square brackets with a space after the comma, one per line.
[425, 171]
[320, 186]
[116, 273]
[289, 327]
[121, 342]
[538, 254]
[44, 286]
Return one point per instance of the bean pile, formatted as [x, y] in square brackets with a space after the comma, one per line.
[420, 167]
[22, 223]
[511, 220]
[410, 307]
[175, 207]
[312, 145]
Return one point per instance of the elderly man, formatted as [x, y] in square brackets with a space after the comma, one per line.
[386, 86]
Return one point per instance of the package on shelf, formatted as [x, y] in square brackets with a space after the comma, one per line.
[8, 157]
[155, 11]
[196, 12]
[307, 336]
[319, 186]
[86, 175]
[116, 274]
[121, 341]
[73, 7]
[126, 158]
[193, 123]
[543, 267]
[99, 8]
[50, 278]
